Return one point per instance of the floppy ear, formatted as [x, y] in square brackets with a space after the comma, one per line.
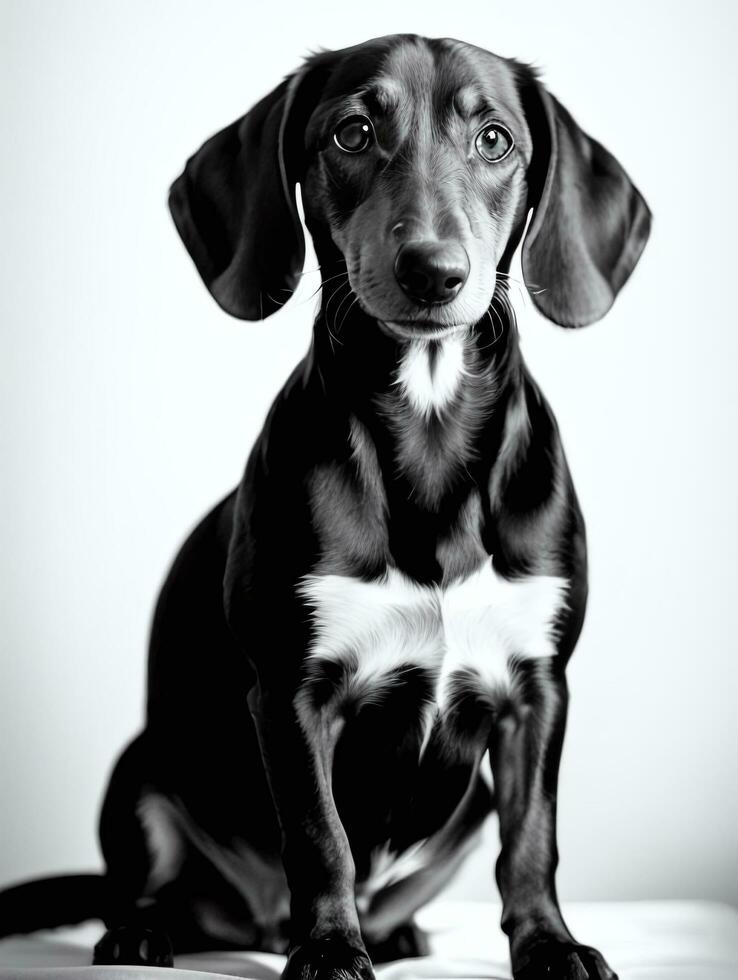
[590, 223]
[234, 204]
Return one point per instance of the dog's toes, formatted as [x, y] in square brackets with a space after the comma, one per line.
[133, 946]
[327, 959]
[564, 961]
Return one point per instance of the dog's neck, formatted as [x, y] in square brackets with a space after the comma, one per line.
[427, 405]
[360, 358]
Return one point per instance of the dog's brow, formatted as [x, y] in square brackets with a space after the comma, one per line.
[470, 102]
[381, 99]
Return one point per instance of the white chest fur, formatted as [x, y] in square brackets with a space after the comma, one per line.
[478, 626]
[429, 382]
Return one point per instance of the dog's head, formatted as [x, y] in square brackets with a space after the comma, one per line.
[419, 161]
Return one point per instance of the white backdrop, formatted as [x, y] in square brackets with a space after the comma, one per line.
[129, 403]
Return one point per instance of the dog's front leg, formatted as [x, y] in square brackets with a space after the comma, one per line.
[525, 749]
[326, 941]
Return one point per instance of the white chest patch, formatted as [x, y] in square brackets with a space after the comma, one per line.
[430, 372]
[480, 625]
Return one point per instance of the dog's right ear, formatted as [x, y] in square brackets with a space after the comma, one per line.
[234, 205]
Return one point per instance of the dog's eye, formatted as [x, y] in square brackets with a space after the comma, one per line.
[354, 134]
[494, 143]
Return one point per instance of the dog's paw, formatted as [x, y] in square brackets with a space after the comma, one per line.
[133, 946]
[327, 959]
[554, 960]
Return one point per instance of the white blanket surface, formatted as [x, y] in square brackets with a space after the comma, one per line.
[641, 941]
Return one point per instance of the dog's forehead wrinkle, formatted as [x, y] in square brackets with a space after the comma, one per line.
[431, 91]
[493, 79]
[384, 95]
[409, 73]
[410, 66]
[470, 100]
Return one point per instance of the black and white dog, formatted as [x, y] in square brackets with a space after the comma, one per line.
[398, 582]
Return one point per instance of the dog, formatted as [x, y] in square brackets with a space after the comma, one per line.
[393, 591]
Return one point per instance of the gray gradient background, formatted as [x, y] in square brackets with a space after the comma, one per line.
[129, 403]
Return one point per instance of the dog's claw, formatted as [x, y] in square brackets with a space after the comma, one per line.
[564, 961]
[133, 946]
[327, 959]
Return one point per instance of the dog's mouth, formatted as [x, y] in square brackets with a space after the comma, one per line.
[420, 329]
[433, 321]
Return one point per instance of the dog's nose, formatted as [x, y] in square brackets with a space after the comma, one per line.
[431, 272]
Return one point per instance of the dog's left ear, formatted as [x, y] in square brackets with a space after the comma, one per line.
[590, 223]
[234, 205]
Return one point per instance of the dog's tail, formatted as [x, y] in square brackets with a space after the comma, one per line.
[46, 903]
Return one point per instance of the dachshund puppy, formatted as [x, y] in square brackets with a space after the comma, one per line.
[396, 586]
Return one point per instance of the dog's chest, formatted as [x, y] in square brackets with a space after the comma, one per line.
[461, 637]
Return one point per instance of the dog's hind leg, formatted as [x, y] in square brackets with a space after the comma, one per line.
[387, 916]
[136, 935]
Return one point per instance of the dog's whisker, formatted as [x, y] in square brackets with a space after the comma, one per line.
[348, 296]
[332, 337]
[331, 278]
[333, 296]
[354, 302]
[322, 284]
[278, 302]
[495, 335]
[478, 331]
[322, 267]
